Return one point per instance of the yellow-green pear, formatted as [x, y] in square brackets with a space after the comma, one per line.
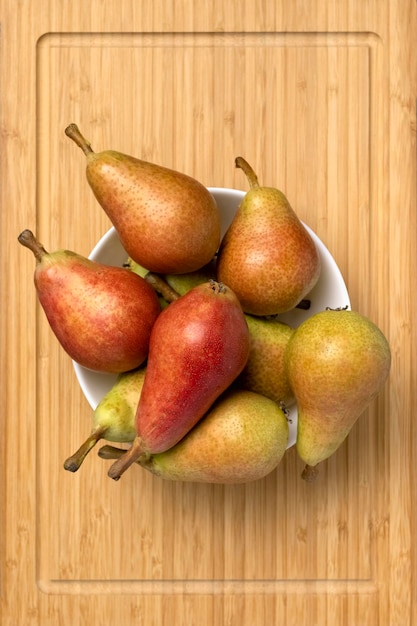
[242, 438]
[171, 286]
[337, 362]
[182, 283]
[114, 416]
[264, 371]
[267, 256]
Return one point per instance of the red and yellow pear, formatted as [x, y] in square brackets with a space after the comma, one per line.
[242, 438]
[199, 345]
[167, 221]
[267, 256]
[101, 315]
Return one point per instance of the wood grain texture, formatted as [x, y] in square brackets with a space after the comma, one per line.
[321, 98]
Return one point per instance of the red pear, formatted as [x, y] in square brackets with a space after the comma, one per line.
[198, 347]
[101, 315]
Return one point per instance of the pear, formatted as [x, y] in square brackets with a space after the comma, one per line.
[242, 438]
[337, 362]
[172, 286]
[264, 371]
[199, 345]
[267, 257]
[166, 221]
[114, 416]
[101, 315]
[182, 283]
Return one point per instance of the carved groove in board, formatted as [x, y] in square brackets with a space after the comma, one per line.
[48, 581]
[211, 587]
[224, 39]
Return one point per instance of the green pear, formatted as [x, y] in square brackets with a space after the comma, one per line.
[166, 221]
[264, 371]
[101, 315]
[337, 362]
[242, 438]
[267, 256]
[182, 283]
[171, 286]
[114, 416]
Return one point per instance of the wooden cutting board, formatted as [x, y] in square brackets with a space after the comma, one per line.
[321, 98]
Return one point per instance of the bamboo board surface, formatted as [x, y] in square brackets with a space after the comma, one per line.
[320, 97]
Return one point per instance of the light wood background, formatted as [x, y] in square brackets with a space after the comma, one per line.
[321, 98]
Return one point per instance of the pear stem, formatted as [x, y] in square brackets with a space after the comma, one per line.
[28, 239]
[73, 463]
[309, 473]
[110, 452]
[73, 132]
[162, 287]
[249, 173]
[134, 453]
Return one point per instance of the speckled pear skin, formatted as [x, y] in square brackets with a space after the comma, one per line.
[101, 315]
[242, 438]
[117, 409]
[265, 371]
[114, 416]
[182, 283]
[198, 347]
[337, 362]
[167, 221]
[267, 256]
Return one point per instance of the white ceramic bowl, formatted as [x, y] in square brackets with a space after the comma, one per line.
[330, 291]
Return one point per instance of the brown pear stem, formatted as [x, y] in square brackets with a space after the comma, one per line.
[28, 239]
[310, 473]
[73, 132]
[73, 462]
[134, 453]
[110, 452]
[248, 171]
[162, 287]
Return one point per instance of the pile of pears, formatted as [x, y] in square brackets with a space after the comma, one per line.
[206, 371]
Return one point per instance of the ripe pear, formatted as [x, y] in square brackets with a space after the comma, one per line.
[166, 221]
[172, 286]
[199, 345]
[242, 438]
[337, 362]
[264, 371]
[101, 315]
[267, 256]
[114, 416]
